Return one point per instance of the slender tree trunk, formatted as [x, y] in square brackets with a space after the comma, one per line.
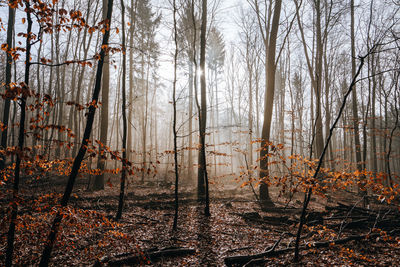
[307, 196]
[82, 150]
[37, 115]
[46, 140]
[13, 118]
[190, 154]
[21, 137]
[58, 119]
[200, 170]
[354, 92]
[327, 104]
[143, 120]
[6, 109]
[250, 115]
[374, 167]
[216, 132]
[319, 140]
[257, 81]
[76, 115]
[131, 68]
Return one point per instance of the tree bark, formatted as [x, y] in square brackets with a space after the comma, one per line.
[174, 119]
[101, 162]
[319, 139]
[6, 109]
[21, 138]
[354, 92]
[124, 133]
[190, 154]
[270, 69]
[203, 176]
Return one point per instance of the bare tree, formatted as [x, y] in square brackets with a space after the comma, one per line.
[101, 162]
[6, 108]
[124, 122]
[269, 31]
[354, 92]
[21, 137]
[202, 173]
[174, 129]
[83, 148]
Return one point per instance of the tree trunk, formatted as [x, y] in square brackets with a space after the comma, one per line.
[174, 118]
[124, 153]
[319, 140]
[21, 137]
[200, 170]
[101, 162]
[76, 114]
[190, 154]
[374, 167]
[354, 92]
[268, 105]
[203, 176]
[6, 109]
[82, 150]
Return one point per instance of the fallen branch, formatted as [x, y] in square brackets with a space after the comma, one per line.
[244, 260]
[307, 196]
[238, 249]
[256, 217]
[146, 218]
[137, 258]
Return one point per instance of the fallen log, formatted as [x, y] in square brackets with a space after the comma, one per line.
[238, 249]
[259, 258]
[270, 220]
[244, 259]
[149, 255]
[360, 210]
[363, 223]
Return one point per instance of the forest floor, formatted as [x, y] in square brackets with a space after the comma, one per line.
[237, 226]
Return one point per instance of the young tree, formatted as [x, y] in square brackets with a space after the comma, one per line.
[188, 28]
[101, 162]
[131, 72]
[307, 196]
[269, 33]
[146, 25]
[6, 109]
[202, 173]
[354, 92]
[315, 74]
[124, 122]
[215, 58]
[25, 92]
[174, 100]
[83, 148]
[251, 57]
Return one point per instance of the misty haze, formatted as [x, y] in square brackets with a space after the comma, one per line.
[199, 133]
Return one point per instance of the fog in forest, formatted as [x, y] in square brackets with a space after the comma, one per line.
[277, 103]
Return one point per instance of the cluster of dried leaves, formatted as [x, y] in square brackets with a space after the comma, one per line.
[90, 233]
